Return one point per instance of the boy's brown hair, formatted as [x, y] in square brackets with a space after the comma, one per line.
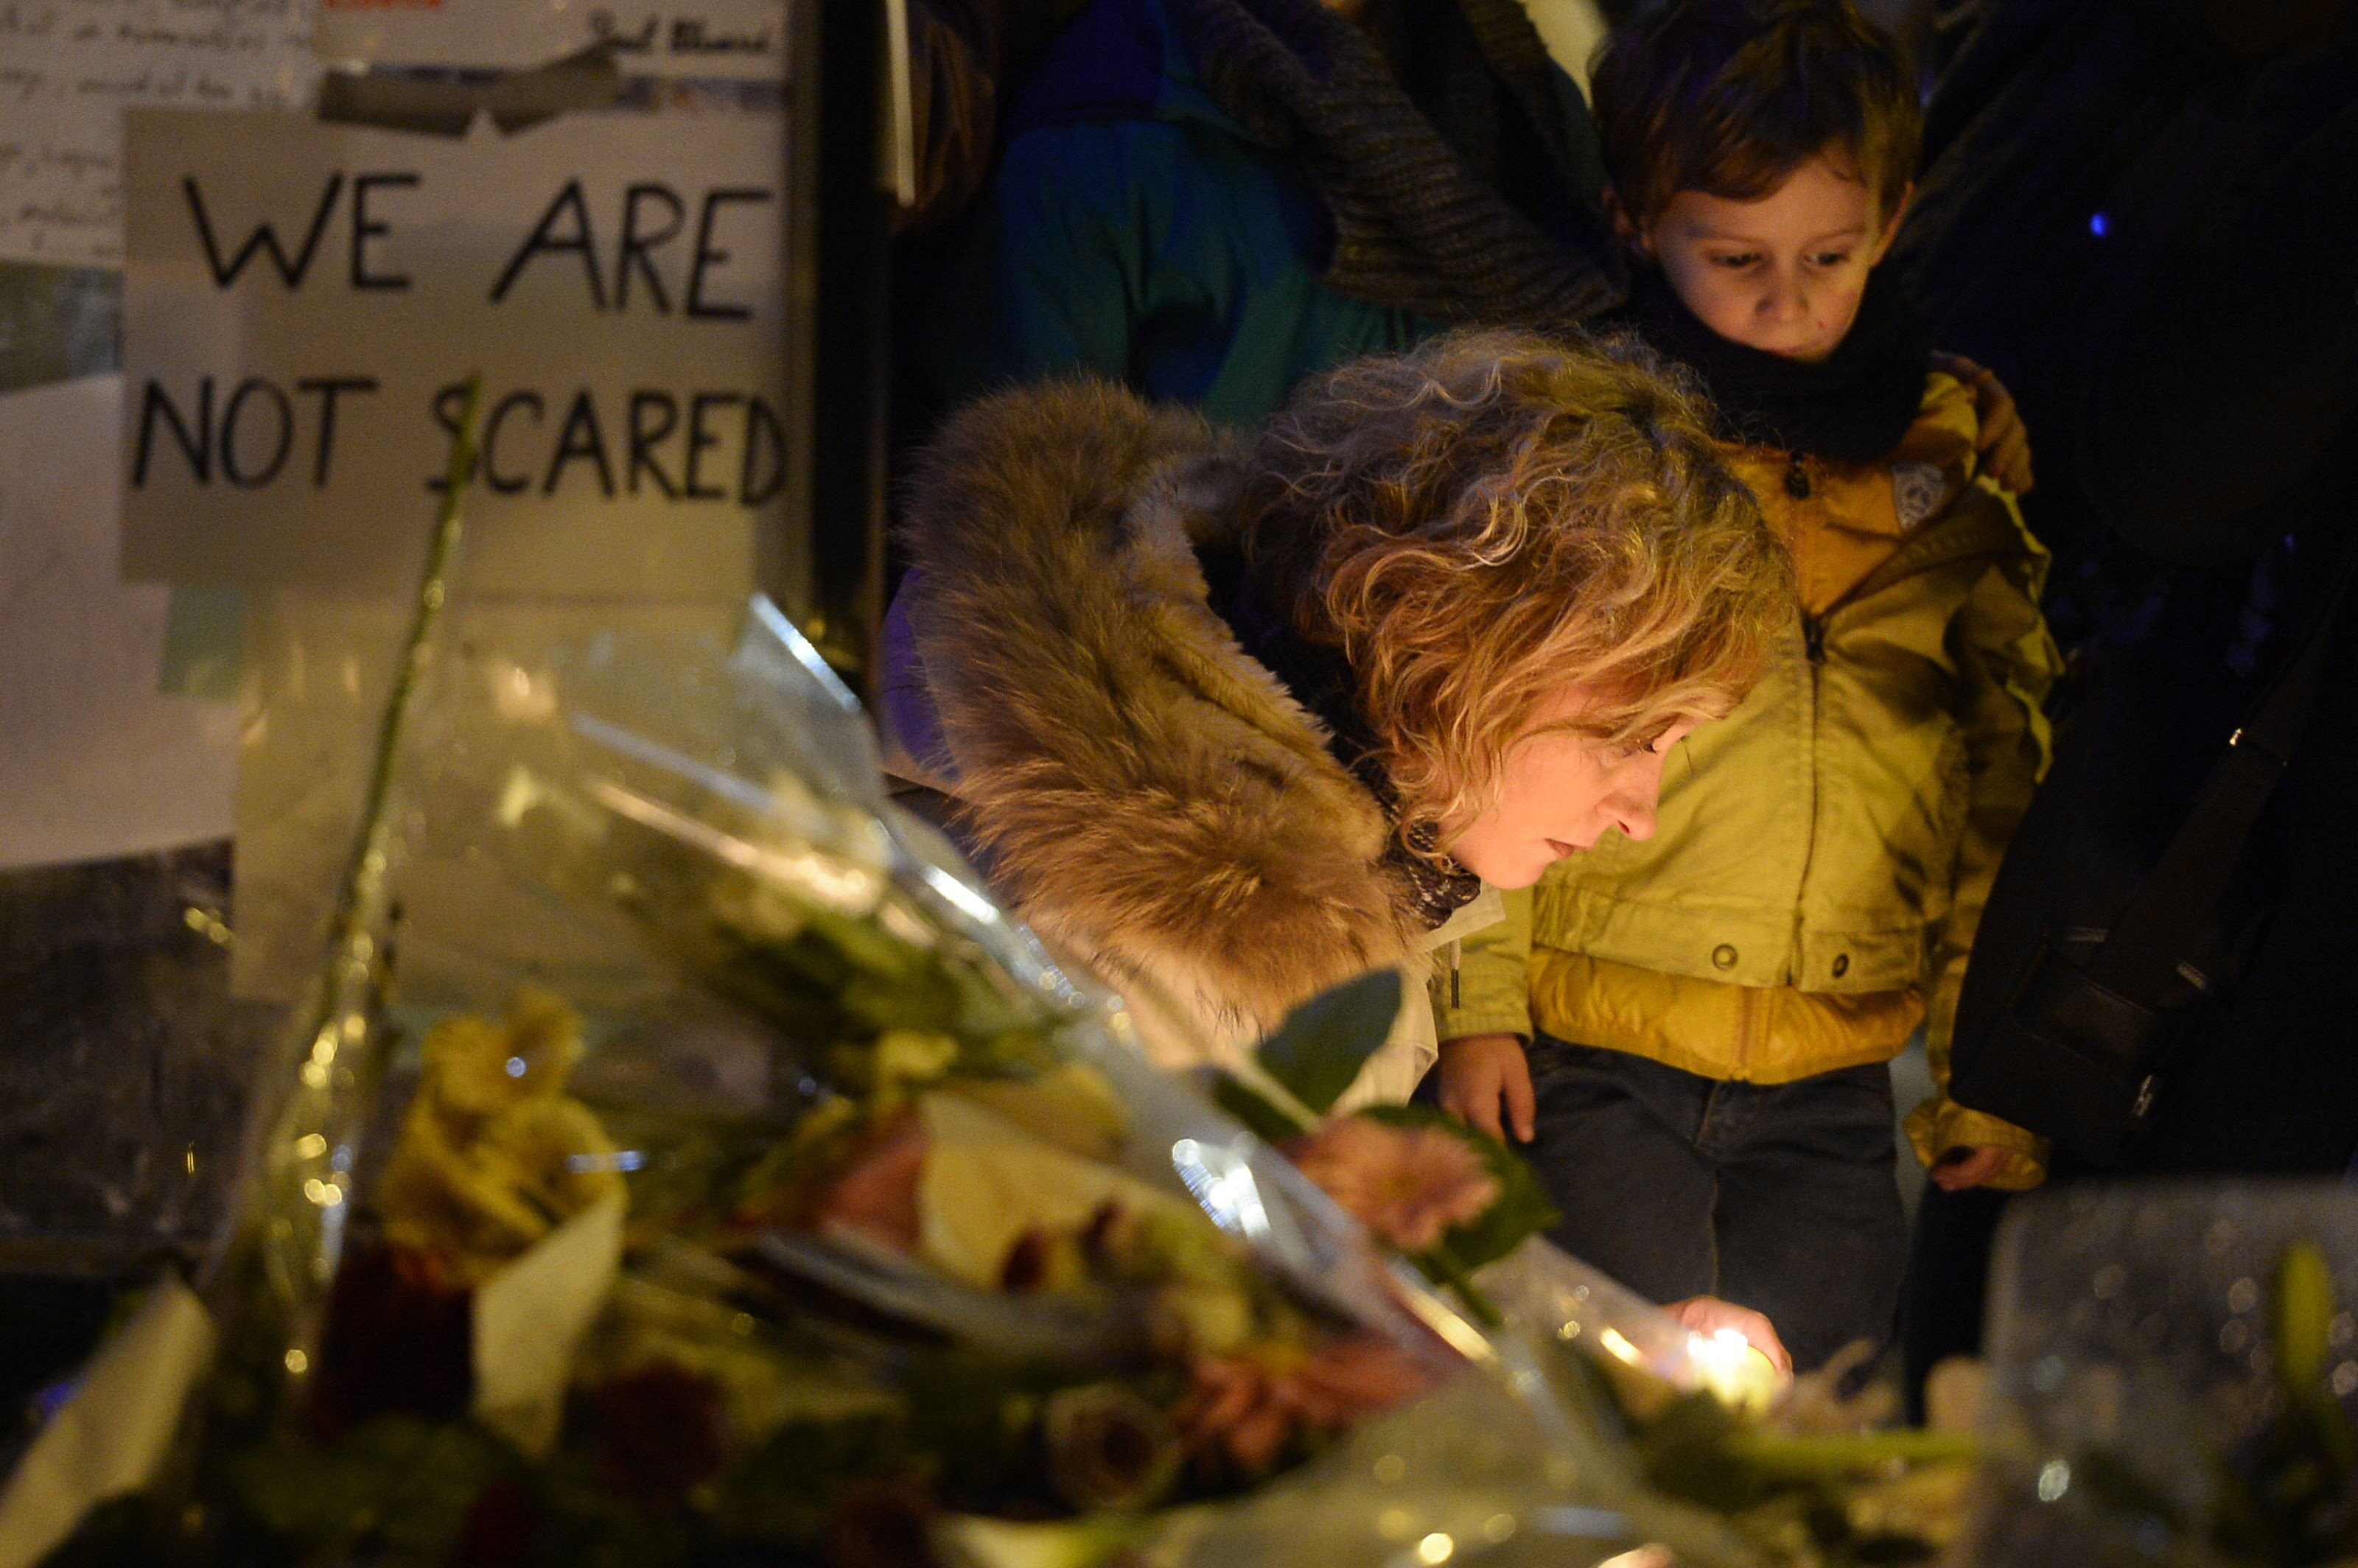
[1731, 96]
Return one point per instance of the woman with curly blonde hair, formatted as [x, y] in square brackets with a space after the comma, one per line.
[1230, 721]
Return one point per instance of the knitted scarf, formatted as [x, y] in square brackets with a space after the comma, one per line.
[1852, 406]
[1449, 183]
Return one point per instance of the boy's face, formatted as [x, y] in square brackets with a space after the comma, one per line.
[1782, 274]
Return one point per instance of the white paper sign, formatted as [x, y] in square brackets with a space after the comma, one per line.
[69, 68]
[304, 301]
[94, 762]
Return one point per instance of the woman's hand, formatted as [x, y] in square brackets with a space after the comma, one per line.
[1487, 1083]
[1709, 1314]
[2005, 441]
[1967, 1166]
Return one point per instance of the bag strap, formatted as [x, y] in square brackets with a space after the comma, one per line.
[2149, 951]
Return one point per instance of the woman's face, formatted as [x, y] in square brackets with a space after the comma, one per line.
[1560, 793]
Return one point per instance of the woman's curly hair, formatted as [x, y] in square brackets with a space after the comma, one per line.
[1494, 516]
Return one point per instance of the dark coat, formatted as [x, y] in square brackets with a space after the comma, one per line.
[1136, 231]
[2145, 217]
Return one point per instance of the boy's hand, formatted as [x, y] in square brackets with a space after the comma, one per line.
[1967, 1166]
[1709, 1314]
[2005, 441]
[1481, 1073]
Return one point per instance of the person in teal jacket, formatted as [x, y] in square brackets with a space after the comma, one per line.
[1328, 185]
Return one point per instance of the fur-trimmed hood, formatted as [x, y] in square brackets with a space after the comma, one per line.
[1144, 793]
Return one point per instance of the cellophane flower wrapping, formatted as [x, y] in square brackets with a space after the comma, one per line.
[695, 1164]
[2173, 1376]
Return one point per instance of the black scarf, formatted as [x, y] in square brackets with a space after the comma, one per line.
[1320, 679]
[1453, 195]
[1853, 406]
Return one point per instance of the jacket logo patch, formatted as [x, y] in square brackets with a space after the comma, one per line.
[1916, 492]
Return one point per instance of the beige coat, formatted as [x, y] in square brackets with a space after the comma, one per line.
[1151, 801]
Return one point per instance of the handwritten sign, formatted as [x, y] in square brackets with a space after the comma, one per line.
[712, 39]
[69, 68]
[304, 302]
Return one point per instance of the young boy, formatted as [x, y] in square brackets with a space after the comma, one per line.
[1709, 1008]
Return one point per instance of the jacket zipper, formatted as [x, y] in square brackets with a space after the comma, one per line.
[1910, 559]
[1813, 649]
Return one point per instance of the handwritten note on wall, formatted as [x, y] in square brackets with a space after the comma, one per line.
[70, 67]
[711, 39]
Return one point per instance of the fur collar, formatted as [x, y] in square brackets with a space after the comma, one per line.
[1148, 796]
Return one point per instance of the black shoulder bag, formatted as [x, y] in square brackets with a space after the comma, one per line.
[2067, 1020]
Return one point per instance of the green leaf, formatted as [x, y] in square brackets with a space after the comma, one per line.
[1521, 1211]
[1322, 1043]
[783, 1490]
[1441, 1265]
[399, 1485]
[1248, 1104]
[1784, 1458]
[1687, 1451]
[2302, 1309]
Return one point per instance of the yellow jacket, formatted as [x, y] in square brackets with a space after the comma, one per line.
[1824, 853]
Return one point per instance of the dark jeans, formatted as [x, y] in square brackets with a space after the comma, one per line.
[1782, 1197]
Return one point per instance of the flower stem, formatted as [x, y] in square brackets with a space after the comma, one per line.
[1440, 1260]
[302, 1180]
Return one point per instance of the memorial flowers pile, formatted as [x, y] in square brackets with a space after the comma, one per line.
[732, 1183]
[825, 1215]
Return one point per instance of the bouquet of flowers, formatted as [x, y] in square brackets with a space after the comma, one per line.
[681, 1160]
[809, 1207]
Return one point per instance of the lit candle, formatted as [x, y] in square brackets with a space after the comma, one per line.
[1732, 1368]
